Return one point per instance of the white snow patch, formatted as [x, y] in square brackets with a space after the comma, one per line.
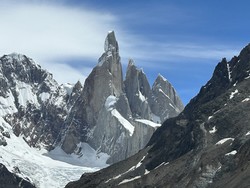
[248, 133]
[25, 94]
[7, 105]
[161, 91]
[87, 156]
[210, 117]
[126, 124]
[246, 99]
[171, 105]
[231, 153]
[59, 100]
[68, 87]
[146, 172]
[247, 77]
[213, 130]
[222, 141]
[233, 93]
[44, 96]
[129, 180]
[110, 102]
[229, 73]
[217, 112]
[163, 163]
[140, 163]
[142, 97]
[131, 169]
[148, 122]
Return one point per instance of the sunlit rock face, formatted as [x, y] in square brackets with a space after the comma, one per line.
[205, 146]
[109, 108]
[112, 115]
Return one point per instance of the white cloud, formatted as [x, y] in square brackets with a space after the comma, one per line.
[64, 73]
[172, 51]
[50, 33]
[53, 33]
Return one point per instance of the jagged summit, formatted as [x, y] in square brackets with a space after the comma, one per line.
[206, 145]
[110, 43]
[227, 74]
[109, 117]
[130, 62]
[160, 77]
[115, 111]
[163, 90]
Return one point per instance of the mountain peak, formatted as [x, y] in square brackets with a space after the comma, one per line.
[213, 129]
[131, 62]
[17, 56]
[110, 43]
[161, 78]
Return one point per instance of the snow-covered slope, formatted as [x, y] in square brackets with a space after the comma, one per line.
[33, 108]
[47, 169]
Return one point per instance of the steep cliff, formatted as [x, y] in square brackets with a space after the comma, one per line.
[207, 145]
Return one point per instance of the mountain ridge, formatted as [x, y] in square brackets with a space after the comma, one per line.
[204, 146]
[102, 116]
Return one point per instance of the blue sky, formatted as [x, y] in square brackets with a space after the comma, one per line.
[182, 40]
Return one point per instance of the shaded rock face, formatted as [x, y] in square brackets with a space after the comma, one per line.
[207, 145]
[10, 180]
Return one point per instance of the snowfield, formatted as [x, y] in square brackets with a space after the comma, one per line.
[48, 169]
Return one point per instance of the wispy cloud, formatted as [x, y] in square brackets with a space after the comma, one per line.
[175, 50]
[53, 33]
[50, 30]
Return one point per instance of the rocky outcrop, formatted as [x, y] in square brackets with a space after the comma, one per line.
[138, 91]
[9, 179]
[31, 101]
[109, 108]
[165, 101]
[104, 80]
[207, 145]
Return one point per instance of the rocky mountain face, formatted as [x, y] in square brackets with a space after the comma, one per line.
[113, 115]
[11, 180]
[31, 100]
[207, 145]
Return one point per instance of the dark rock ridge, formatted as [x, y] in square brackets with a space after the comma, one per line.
[207, 145]
[112, 115]
[10, 180]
